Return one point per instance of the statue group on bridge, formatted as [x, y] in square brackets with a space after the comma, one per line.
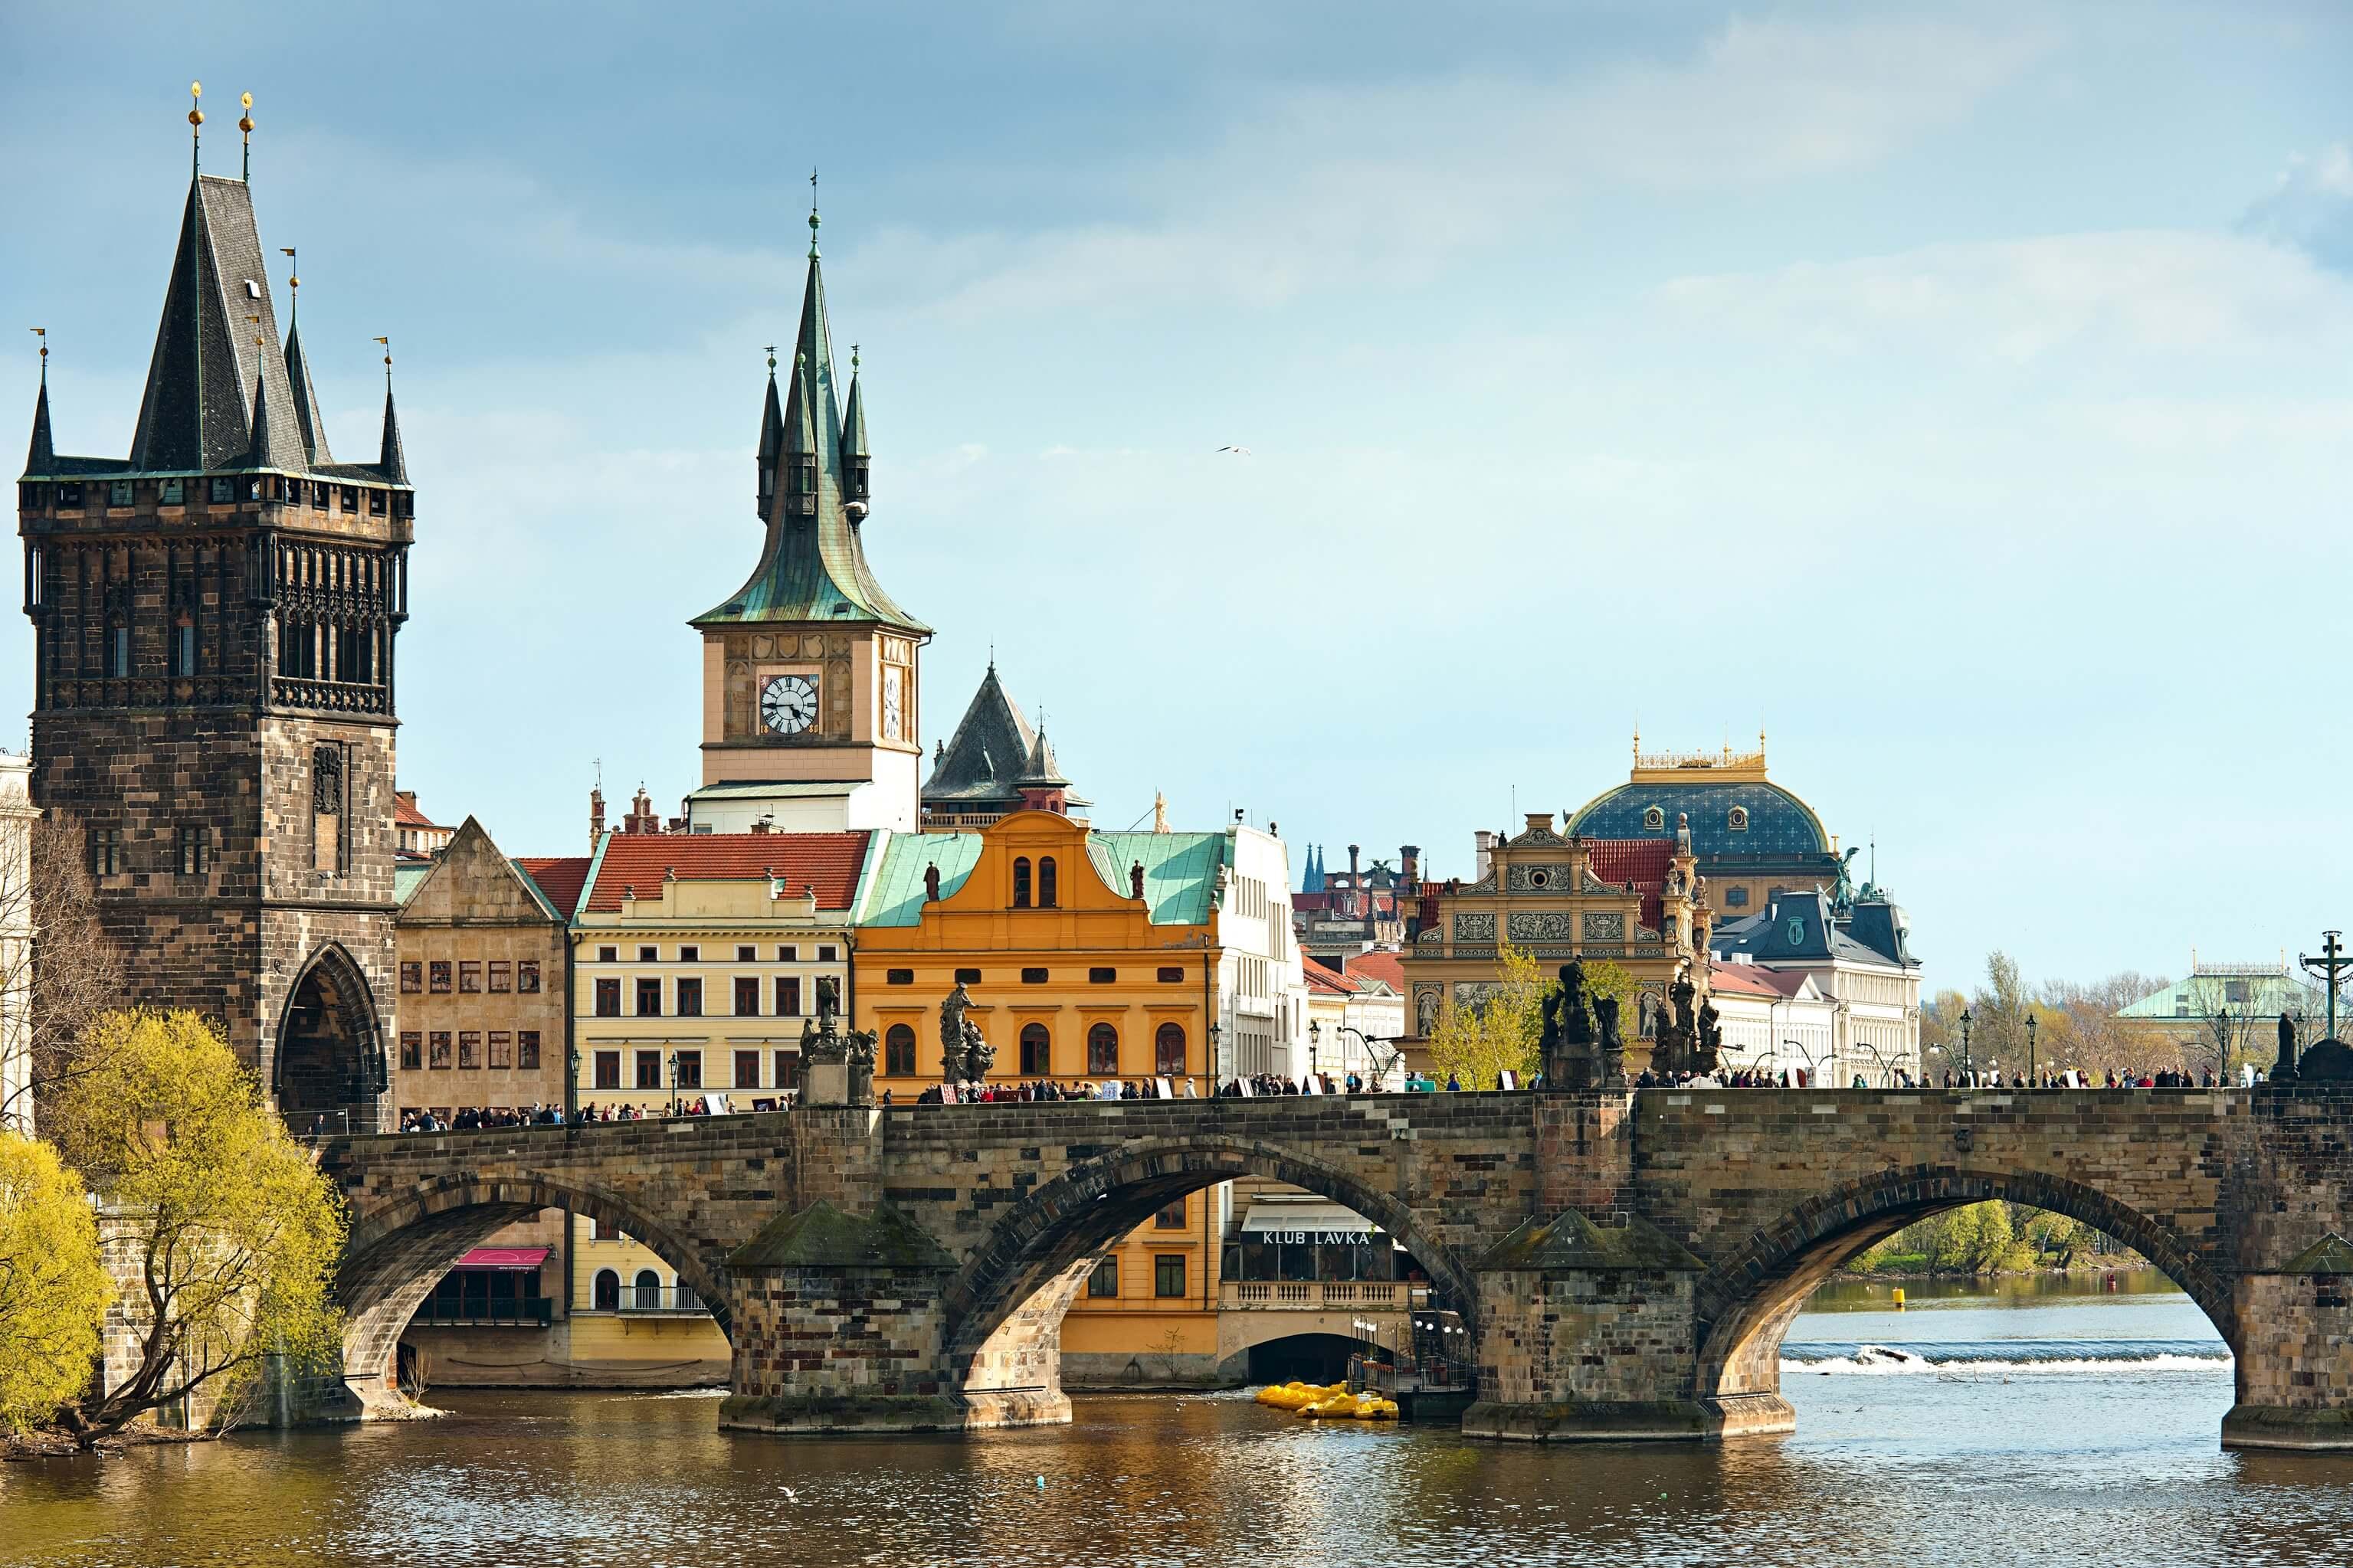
[966, 1054]
[1581, 1046]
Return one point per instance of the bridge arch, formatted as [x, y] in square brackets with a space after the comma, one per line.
[1003, 1310]
[398, 1248]
[1746, 1301]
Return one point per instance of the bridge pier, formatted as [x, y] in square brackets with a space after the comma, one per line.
[2294, 1347]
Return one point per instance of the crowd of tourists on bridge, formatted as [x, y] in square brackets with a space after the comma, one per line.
[1033, 1091]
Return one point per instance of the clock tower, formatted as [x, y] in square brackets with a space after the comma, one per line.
[809, 673]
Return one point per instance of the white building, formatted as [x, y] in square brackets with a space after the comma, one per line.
[1860, 960]
[1775, 1021]
[1354, 1019]
[17, 816]
[1262, 1027]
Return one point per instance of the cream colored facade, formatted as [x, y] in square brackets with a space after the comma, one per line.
[17, 820]
[702, 985]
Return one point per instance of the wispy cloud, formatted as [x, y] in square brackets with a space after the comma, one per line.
[2311, 206]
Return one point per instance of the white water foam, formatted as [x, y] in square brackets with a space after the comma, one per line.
[1979, 1360]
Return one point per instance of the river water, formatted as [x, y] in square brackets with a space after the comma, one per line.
[2049, 1422]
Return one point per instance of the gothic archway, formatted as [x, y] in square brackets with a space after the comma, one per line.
[329, 1046]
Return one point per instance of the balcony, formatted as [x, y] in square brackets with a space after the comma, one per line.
[646, 1301]
[1319, 1295]
[512, 1311]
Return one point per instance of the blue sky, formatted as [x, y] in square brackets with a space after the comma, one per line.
[1959, 394]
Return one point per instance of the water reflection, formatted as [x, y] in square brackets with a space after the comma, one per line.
[2105, 1467]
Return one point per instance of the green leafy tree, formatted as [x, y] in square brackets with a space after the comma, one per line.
[53, 1284]
[231, 1234]
[1475, 1042]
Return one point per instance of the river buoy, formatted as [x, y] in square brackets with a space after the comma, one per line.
[1899, 1298]
[1041, 1483]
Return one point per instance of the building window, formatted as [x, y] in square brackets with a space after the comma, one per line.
[747, 1070]
[607, 1291]
[501, 975]
[1046, 882]
[1655, 818]
[173, 492]
[608, 955]
[690, 954]
[1736, 897]
[469, 977]
[1036, 1051]
[1021, 881]
[1168, 1276]
[747, 954]
[1172, 974]
[1033, 977]
[788, 1070]
[650, 955]
[527, 975]
[118, 651]
[689, 997]
[68, 495]
[788, 953]
[375, 503]
[224, 491]
[502, 1048]
[898, 977]
[412, 1050]
[118, 492]
[899, 1051]
[1103, 1283]
[648, 998]
[648, 1291]
[1737, 820]
[608, 998]
[967, 977]
[1172, 1217]
[689, 1070]
[441, 971]
[440, 1046]
[828, 954]
[1103, 976]
[608, 1070]
[747, 998]
[1102, 1050]
[648, 1070]
[1168, 1051]
[196, 851]
[527, 1050]
[184, 646]
[788, 996]
[470, 1049]
[412, 976]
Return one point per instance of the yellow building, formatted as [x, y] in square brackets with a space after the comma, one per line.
[1089, 958]
[634, 1322]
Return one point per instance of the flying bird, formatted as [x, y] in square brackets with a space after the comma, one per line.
[1237, 451]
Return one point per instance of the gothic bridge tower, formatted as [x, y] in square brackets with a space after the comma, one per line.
[212, 623]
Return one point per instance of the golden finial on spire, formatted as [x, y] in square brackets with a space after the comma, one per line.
[812, 212]
[195, 125]
[245, 124]
[293, 284]
[387, 364]
[43, 333]
[771, 350]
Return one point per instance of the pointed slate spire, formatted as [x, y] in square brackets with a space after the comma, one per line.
[265, 454]
[195, 416]
[308, 418]
[391, 461]
[1040, 771]
[772, 438]
[856, 460]
[42, 455]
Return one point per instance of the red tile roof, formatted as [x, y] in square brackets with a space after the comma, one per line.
[1641, 862]
[1321, 978]
[830, 861]
[559, 877]
[403, 814]
[1386, 967]
[1741, 978]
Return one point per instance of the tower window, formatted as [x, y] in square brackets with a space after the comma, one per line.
[69, 496]
[195, 850]
[105, 851]
[118, 651]
[224, 491]
[118, 492]
[375, 503]
[184, 647]
[351, 498]
[172, 493]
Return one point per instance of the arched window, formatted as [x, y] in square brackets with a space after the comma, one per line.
[648, 1290]
[1036, 1051]
[1021, 882]
[1046, 882]
[607, 1290]
[1102, 1050]
[1168, 1051]
[1737, 822]
[899, 1052]
[1654, 819]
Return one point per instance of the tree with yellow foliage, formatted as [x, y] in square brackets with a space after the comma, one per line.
[1474, 1041]
[53, 1287]
[230, 1232]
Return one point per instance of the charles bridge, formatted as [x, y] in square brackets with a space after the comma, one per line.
[1627, 1262]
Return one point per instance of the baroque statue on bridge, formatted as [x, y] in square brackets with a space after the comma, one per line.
[966, 1054]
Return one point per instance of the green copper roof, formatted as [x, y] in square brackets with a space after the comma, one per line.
[812, 567]
[405, 876]
[896, 897]
[2253, 993]
[1180, 870]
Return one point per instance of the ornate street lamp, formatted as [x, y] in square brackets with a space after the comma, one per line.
[2029, 1050]
[1968, 1064]
[673, 1083]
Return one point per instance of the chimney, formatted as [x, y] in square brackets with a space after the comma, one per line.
[1352, 865]
[1410, 863]
[1483, 861]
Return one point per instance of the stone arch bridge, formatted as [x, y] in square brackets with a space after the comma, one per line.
[1627, 1262]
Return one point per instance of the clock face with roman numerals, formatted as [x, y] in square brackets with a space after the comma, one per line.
[788, 703]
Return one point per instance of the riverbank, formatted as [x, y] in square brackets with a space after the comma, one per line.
[50, 1442]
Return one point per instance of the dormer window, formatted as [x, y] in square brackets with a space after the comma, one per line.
[1655, 818]
[351, 498]
[1737, 820]
[224, 491]
[118, 492]
[69, 496]
[173, 492]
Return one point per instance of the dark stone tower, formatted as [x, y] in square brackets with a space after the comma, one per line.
[212, 623]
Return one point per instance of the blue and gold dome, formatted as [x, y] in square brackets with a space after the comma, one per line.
[1735, 812]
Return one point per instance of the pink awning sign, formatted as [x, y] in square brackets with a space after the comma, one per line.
[503, 1257]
